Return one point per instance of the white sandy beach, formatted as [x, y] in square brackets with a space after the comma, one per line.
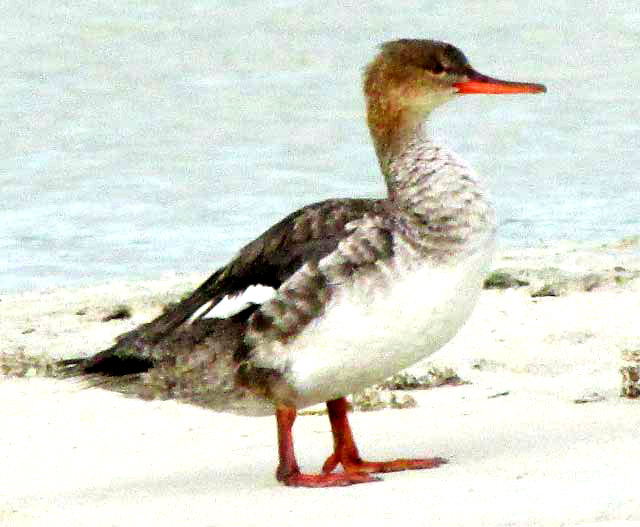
[522, 451]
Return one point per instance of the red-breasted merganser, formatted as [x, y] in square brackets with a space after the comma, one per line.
[356, 289]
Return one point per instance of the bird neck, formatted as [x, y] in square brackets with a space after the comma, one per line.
[436, 194]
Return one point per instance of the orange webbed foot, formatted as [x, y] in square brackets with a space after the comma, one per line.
[288, 471]
[357, 465]
[345, 452]
[337, 479]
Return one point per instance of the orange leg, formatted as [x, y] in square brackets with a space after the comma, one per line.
[288, 471]
[346, 453]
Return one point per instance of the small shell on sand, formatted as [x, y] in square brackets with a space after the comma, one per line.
[630, 374]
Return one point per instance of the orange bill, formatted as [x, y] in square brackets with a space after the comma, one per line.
[479, 83]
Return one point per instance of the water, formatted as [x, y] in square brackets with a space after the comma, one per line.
[140, 138]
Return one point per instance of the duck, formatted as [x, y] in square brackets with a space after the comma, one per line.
[340, 294]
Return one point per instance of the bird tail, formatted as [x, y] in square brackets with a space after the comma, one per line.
[133, 351]
[115, 361]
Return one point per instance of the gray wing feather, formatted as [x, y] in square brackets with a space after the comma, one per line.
[304, 237]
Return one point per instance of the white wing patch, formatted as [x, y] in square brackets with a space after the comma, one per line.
[232, 305]
[202, 309]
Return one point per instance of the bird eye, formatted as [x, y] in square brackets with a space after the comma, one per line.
[437, 68]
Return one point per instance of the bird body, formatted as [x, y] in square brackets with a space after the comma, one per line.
[377, 330]
[352, 290]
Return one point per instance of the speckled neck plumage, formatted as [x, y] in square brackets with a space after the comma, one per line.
[442, 202]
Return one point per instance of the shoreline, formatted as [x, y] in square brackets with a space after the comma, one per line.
[52, 321]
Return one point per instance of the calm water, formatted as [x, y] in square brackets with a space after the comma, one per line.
[145, 137]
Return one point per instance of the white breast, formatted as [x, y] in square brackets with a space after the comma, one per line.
[368, 332]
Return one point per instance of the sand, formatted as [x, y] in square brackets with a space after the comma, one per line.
[539, 436]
